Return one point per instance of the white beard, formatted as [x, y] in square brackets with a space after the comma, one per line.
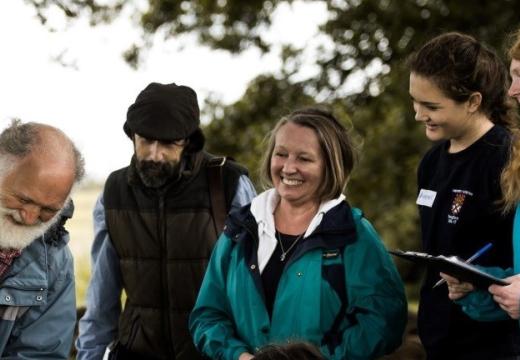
[18, 236]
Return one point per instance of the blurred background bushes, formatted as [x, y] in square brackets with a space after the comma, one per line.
[361, 42]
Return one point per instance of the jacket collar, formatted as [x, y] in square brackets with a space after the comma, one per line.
[55, 234]
[262, 209]
[333, 219]
[264, 205]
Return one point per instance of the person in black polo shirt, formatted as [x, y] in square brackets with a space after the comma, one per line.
[500, 302]
[459, 92]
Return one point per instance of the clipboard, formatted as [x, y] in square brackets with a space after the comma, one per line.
[452, 265]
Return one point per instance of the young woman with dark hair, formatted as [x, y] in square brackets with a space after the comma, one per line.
[459, 92]
[500, 302]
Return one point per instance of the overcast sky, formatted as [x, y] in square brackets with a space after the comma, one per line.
[88, 97]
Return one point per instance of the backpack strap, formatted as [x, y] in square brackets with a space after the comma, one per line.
[216, 192]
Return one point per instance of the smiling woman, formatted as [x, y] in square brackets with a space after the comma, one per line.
[297, 164]
[445, 118]
[459, 91]
[300, 251]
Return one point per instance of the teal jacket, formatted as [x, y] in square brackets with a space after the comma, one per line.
[479, 304]
[344, 251]
[37, 300]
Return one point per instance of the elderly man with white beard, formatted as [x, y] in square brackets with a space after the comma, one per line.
[39, 165]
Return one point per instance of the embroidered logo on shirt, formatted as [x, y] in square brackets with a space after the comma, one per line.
[458, 201]
[459, 197]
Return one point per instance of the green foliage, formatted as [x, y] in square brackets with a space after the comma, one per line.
[388, 30]
[239, 129]
[368, 37]
[97, 12]
[389, 146]
[361, 30]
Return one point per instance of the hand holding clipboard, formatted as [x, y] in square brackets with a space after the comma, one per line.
[452, 266]
[468, 261]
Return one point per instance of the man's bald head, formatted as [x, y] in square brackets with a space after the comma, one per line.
[47, 143]
[39, 166]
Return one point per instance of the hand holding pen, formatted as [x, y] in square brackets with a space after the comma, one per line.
[468, 261]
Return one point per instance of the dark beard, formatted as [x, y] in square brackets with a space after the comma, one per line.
[156, 174]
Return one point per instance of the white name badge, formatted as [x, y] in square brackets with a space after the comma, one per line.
[426, 197]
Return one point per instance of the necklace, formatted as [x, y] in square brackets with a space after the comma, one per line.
[285, 252]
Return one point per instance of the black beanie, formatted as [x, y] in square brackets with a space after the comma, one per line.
[165, 112]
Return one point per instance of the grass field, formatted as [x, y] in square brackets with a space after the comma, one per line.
[81, 232]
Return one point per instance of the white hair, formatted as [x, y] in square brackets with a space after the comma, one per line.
[15, 234]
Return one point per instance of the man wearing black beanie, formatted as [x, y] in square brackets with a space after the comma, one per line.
[155, 226]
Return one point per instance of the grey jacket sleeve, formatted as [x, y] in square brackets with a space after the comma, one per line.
[244, 194]
[98, 327]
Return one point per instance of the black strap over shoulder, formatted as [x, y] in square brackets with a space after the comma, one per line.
[216, 191]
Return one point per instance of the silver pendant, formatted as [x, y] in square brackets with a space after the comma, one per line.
[282, 257]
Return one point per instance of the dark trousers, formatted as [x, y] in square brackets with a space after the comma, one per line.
[120, 352]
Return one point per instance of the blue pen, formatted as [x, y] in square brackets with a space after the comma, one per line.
[468, 261]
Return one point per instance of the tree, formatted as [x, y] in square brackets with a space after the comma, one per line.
[388, 144]
[241, 128]
[371, 38]
[364, 32]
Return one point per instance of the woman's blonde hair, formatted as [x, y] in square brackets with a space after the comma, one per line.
[335, 144]
[510, 178]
